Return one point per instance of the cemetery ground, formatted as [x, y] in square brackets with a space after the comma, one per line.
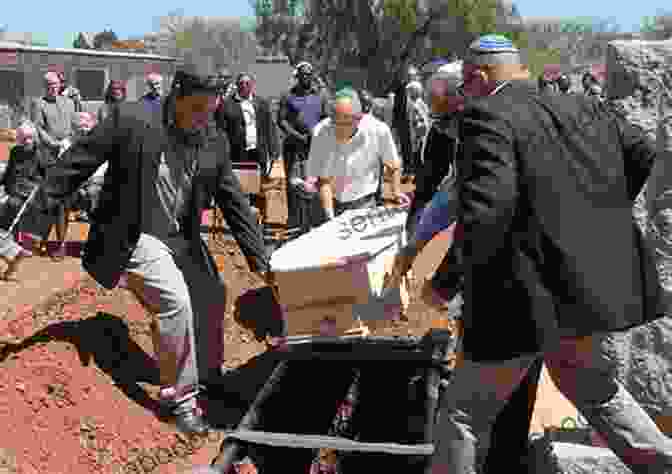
[78, 381]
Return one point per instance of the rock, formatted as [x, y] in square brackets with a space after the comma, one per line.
[635, 70]
[551, 457]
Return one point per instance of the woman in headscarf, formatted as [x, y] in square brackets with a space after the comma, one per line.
[418, 114]
[26, 170]
[115, 94]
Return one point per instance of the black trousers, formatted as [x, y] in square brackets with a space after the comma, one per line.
[510, 433]
[404, 133]
[33, 221]
[254, 156]
[303, 208]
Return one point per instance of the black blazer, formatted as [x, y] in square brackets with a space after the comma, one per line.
[132, 141]
[439, 157]
[550, 244]
[25, 170]
[229, 118]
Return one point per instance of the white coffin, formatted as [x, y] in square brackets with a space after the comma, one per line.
[338, 268]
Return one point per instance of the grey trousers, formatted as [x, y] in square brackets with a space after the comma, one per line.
[188, 304]
[583, 374]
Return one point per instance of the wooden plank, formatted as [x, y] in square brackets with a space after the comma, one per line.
[291, 440]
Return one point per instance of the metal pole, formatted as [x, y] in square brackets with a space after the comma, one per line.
[230, 447]
[19, 214]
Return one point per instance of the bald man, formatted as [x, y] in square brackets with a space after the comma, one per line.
[345, 157]
[53, 116]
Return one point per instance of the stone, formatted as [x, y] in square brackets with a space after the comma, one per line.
[638, 83]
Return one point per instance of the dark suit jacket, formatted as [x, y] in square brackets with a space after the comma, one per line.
[550, 244]
[132, 141]
[439, 156]
[229, 118]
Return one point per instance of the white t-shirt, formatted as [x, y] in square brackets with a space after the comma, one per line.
[249, 114]
[355, 165]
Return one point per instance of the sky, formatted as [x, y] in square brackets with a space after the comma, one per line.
[58, 23]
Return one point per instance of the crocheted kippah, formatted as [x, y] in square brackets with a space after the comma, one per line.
[351, 95]
[493, 44]
[493, 49]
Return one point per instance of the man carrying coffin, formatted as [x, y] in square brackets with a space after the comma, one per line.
[146, 234]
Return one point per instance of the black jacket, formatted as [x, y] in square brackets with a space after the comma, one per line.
[439, 157]
[25, 170]
[229, 118]
[132, 141]
[550, 248]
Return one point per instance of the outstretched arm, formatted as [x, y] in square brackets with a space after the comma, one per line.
[83, 159]
[236, 209]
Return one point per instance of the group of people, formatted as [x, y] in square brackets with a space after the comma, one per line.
[166, 162]
[533, 185]
[562, 84]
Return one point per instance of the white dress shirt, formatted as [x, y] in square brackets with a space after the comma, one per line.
[250, 116]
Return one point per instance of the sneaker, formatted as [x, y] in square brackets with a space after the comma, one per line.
[188, 416]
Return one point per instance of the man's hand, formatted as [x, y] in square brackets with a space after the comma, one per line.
[267, 277]
[400, 199]
[400, 268]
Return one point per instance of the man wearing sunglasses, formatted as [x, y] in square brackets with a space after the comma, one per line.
[146, 236]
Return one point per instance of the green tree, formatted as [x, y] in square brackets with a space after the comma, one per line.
[377, 37]
[214, 42]
[662, 23]
[648, 24]
[537, 58]
[404, 11]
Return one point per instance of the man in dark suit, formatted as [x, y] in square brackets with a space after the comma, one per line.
[546, 188]
[146, 233]
[248, 122]
[400, 120]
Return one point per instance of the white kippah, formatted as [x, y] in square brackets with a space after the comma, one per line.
[453, 69]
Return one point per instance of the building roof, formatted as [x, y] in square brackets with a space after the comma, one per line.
[16, 37]
[7, 45]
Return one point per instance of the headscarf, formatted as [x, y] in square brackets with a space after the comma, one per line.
[52, 76]
[153, 76]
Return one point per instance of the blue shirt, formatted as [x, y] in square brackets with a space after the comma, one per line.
[154, 102]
